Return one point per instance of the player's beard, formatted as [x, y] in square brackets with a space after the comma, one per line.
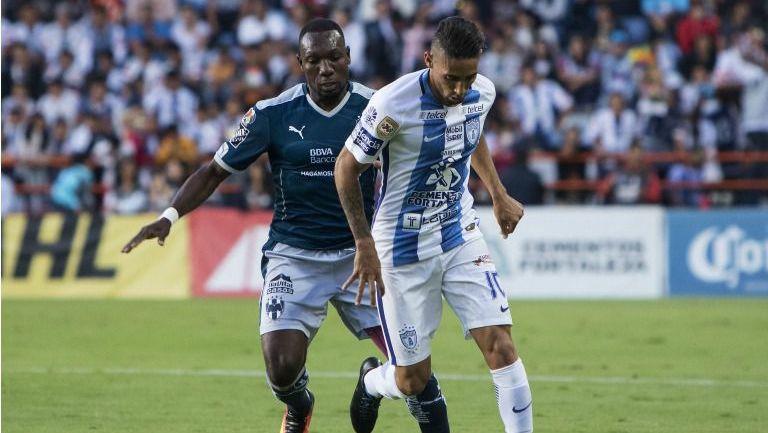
[330, 91]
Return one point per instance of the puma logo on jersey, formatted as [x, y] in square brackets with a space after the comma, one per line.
[292, 128]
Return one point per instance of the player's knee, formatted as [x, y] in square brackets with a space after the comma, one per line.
[500, 351]
[413, 383]
[283, 369]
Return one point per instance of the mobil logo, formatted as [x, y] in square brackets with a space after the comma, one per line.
[723, 256]
[718, 253]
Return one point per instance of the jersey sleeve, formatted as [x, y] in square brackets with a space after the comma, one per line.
[250, 141]
[376, 127]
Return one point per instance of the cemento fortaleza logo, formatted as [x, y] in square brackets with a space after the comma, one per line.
[723, 256]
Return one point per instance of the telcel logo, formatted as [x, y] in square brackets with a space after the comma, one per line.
[717, 256]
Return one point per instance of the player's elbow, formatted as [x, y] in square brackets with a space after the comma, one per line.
[345, 168]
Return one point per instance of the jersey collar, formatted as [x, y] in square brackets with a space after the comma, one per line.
[336, 109]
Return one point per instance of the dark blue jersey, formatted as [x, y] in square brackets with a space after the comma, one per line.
[302, 141]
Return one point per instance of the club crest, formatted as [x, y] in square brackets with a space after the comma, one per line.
[472, 128]
[248, 118]
[408, 337]
[387, 128]
[275, 307]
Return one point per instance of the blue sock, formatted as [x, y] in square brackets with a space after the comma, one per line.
[429, 408]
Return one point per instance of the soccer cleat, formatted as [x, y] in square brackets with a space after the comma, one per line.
[364, 409]
[295, 423]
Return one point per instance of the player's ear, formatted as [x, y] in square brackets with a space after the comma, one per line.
[349, 55]
[428, 58]
[298, 59]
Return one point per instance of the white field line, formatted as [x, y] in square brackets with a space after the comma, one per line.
[604, 380]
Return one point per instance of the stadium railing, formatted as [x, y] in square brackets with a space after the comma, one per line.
[759, 157]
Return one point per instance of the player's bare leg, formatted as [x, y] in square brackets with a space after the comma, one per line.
[415, 383]
[509, 377]
[285, 353]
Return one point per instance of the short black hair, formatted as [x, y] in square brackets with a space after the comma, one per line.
[320, 25]
[459, 38]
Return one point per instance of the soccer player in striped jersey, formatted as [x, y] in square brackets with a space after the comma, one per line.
[426, 127]
[310, 251]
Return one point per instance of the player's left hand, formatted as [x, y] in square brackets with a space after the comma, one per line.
[508, 213]
[367, 272]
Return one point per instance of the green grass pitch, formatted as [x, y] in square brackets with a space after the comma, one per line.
[676, 366]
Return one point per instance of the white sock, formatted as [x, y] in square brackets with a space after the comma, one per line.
[514, 397]
[380, 382]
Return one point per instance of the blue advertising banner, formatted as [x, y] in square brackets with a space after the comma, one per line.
[718, 253]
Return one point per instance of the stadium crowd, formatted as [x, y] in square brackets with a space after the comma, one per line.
[108, 105]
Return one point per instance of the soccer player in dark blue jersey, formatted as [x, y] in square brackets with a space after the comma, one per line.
[310, 251]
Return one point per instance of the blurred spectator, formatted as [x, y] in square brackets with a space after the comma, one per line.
[103, 105]
[172, 103]
[570, 165]
[354, 36]
[106, 71]
[687, 177]
[61, 34]
[175, 146]
[611, 130]
[14, 125]
[579, 71]
[102, 36]
[31, 154]
[160, 192]
[522, 32]
[740, 19]
[23, 70]
[149, 20]
[58, 136]
[543, 60]
[142, 66]
[656, 116]
[206, 131]
[501, 64]
[617, 69]
[10, 201]
[219, 76]
[521, 182]
[189, 32]
[632, 183]
[383, 44]
[703, 54]
[126, 196]
[698, 22]
[176, 172]
[745, 64]
[71, 191]
[66, 70]
[416, 40]
[28, 30]
[538, 106]
[19, 99]
[258, 23]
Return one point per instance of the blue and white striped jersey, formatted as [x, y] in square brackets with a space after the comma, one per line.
[424, 206]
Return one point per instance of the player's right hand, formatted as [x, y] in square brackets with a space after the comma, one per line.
[367, 271]
[158, 229]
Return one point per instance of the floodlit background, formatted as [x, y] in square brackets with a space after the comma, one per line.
[635, 132]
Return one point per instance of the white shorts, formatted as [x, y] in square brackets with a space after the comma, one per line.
[298, 284]
[412, 305]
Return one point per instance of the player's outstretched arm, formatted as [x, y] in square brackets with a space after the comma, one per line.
[367, 266]
[508, 211]
[195, 190]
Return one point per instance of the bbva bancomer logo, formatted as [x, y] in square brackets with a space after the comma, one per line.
[723, 256]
